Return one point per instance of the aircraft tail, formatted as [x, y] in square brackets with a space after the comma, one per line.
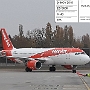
[6, 42]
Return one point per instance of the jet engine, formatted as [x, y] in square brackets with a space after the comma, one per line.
[5, 53]
[33, 64]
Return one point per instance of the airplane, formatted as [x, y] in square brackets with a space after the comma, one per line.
[34, 58]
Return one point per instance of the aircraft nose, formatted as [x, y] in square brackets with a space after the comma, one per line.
[87, 59]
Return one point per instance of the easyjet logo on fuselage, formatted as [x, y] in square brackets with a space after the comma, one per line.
[6, 39]
[59, 51]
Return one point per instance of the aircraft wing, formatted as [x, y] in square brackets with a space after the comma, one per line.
[23, 59]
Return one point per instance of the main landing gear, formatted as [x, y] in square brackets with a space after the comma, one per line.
[74, 68]
[28, 69]
[52, 68]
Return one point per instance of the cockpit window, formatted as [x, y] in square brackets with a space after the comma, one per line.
[77, 53]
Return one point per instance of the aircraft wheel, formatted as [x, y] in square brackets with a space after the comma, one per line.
[52, 69]
[28, 69]
[73, 71]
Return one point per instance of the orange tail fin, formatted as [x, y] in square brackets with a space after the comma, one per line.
[6, 42]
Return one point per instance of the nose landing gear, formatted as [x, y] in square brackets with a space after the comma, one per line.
[74, 68]
[73, 71]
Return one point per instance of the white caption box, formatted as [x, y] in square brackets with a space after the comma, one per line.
[72, 10]
[84, 10]
[66, 10]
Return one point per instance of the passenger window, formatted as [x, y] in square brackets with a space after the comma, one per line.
[82, 52]
[15, 53]
[76, 53]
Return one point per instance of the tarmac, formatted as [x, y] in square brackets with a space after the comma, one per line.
[18, 79]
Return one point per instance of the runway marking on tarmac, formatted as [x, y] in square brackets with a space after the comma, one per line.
[86, 85]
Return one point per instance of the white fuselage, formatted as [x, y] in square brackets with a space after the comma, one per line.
[60, 59]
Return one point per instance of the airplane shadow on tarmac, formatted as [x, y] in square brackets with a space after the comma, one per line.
[40, 71]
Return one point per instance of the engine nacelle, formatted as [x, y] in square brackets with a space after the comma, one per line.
[5, 53]
[34, 64]
[67, 66]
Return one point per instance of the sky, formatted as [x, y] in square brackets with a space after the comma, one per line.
[33, 14]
